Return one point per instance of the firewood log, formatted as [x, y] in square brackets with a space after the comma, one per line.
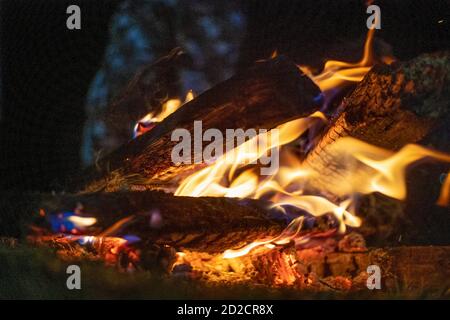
[268, 94]
[391, 107]
[207, 223]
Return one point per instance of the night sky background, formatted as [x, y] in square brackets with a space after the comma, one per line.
[46, 69]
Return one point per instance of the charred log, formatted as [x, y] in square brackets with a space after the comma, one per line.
[208, 224]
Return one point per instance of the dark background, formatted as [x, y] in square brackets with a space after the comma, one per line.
[46, 68]
[46, 71]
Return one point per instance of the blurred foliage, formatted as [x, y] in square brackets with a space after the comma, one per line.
[142, 32]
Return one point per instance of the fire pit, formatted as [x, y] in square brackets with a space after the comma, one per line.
[283, 178]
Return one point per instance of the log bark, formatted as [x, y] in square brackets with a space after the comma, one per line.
[268, 94]
[206, 223]
[391, 107]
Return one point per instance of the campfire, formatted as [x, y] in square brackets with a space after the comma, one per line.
[315, 196]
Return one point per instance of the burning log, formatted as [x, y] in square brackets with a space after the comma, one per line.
[393, 106]
[208, 224]
[262, 97]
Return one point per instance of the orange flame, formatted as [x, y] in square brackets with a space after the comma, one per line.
[364, 168]
[336, 74]
[444, 198]
[207, 182]
[289, 234]
[170, 106]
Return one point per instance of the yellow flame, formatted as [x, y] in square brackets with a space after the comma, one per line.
[82, 222]
[289, 234]
[364, 168]
[337, 73]
[168, 107]
[207, 182]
